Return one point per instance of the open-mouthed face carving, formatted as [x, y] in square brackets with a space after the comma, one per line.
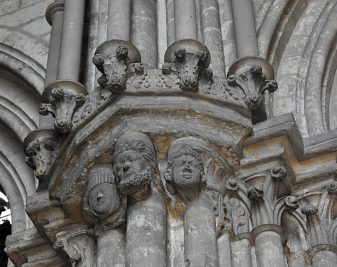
[186, 172]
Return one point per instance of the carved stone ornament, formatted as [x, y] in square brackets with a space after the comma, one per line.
[112, 59]
[319, 208]
[134, 164]
[102, 202]
[253, 76]
[41, 148]
[190, 59]
[185, 172]
[62, 99]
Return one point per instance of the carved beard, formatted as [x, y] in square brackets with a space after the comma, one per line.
[135, 183]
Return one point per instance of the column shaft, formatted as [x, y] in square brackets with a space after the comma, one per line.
[210, 24]
[184, 20]
[224, 250]
[119, 20]
[146, 233]
[71, 41]
[324, 258]
[200, 236]
[242, 253]
[111, 248]
[269, 250]
[144, 30]
[244, 28]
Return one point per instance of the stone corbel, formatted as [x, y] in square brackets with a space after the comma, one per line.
[62, 99]
[254, 76]
[267, 194]
[77, 244]
[41, 149]
[190, 59]
[320, 215]
[319, 208]
[112, 59]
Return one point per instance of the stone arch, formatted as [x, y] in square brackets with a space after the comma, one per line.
[298, 46]
[21, 84]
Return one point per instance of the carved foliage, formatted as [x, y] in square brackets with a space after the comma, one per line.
[63, 99]
[112, 59]
[190, 58]
[267, 200]
[77, 244]
[251, 79]
[319, 209]
[238, 205]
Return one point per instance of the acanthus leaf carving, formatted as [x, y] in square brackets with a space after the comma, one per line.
[267, 193]
[112, 59]
[320, 212]
[253, 76]
[62, 99]
[190, 59]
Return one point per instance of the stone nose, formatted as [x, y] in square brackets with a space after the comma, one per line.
[63, 125]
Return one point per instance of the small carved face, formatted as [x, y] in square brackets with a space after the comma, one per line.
[186, 173]
[104, 199]
[128, 164]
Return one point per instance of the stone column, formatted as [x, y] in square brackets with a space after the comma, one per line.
[144, 30]
[269, 249]
[224, 249]
[210, 24]
[244, 28]
[111, 248]
[54, 16]
[200, 236]
[71, 41]
[119, 20]
[242, 253]
[135, 166]
[184, 20]
[146, 233]
[324, 258]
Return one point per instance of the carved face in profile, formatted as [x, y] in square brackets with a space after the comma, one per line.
[104, 199]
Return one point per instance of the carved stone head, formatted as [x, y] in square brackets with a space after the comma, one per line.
[134, 162]
[102, 192]
[185, 172]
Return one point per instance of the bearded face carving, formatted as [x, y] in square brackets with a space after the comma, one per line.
[134, 163]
